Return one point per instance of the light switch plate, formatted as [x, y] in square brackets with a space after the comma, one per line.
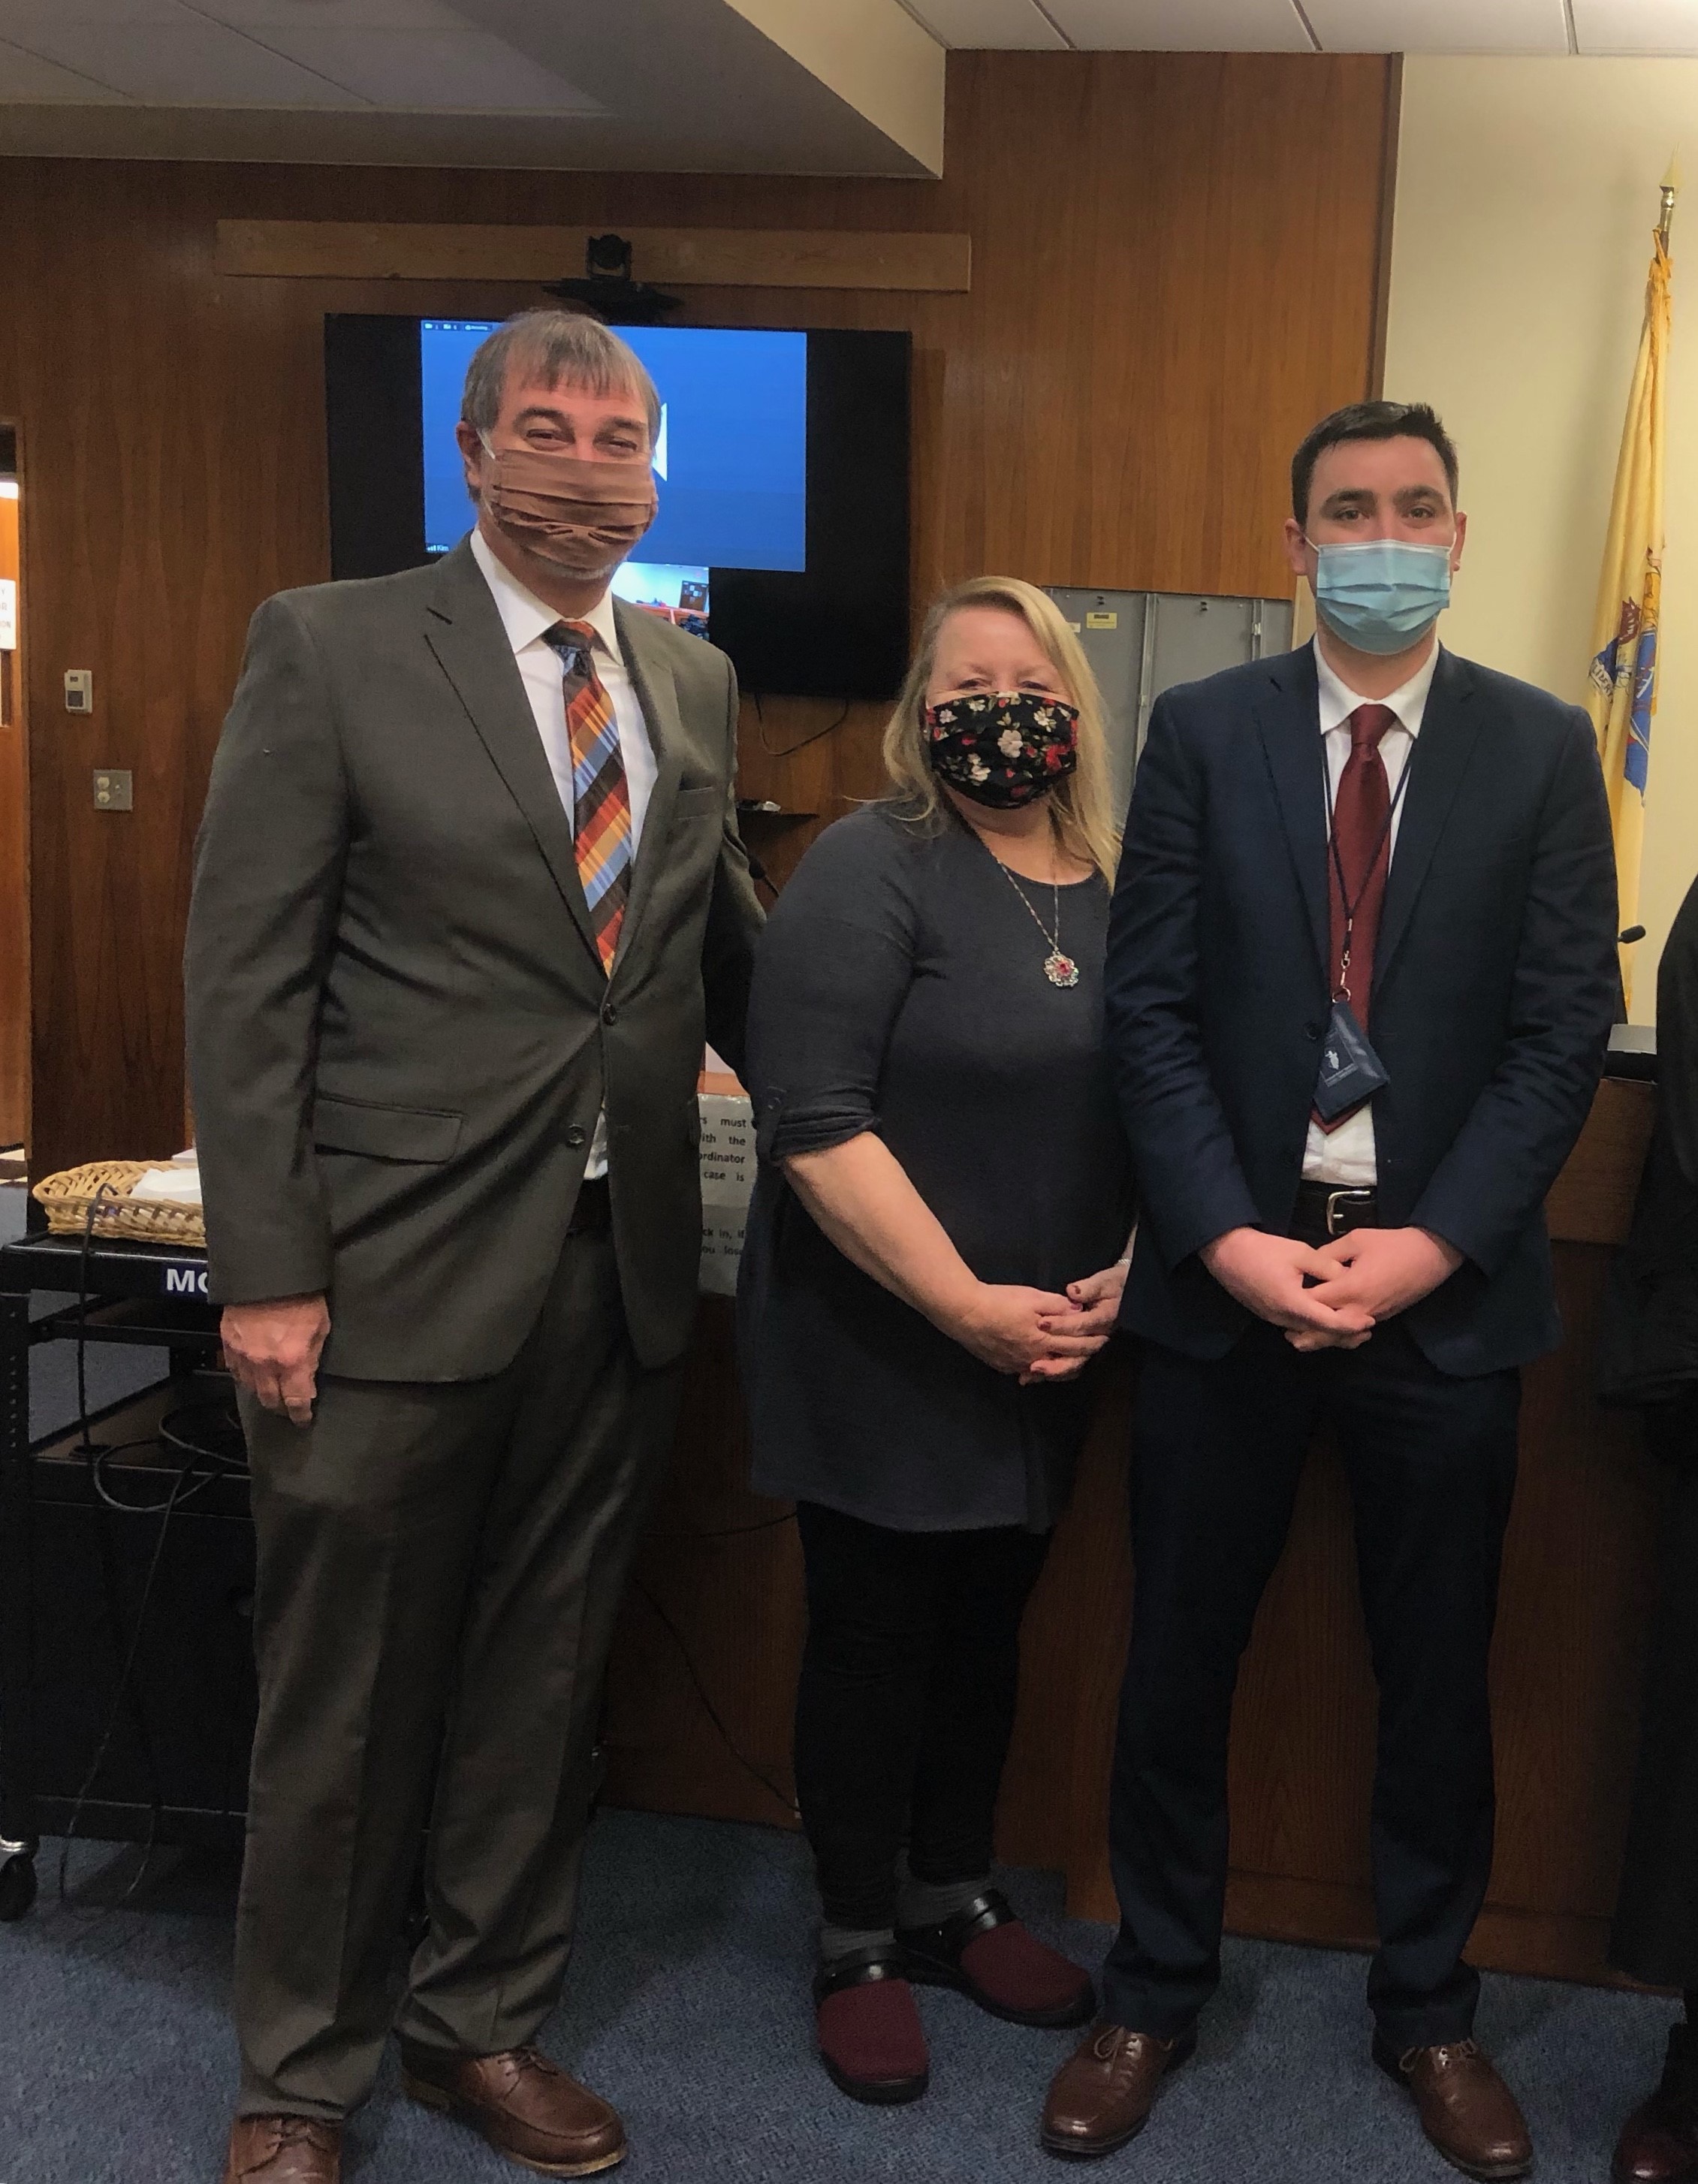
[79, 689]
[114, 789]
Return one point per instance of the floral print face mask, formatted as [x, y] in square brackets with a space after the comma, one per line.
[1005, 750]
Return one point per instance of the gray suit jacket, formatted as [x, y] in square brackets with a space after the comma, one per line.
[399, 1031]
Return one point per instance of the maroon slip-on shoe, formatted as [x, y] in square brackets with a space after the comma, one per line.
[986, 1953]
[871, 2039]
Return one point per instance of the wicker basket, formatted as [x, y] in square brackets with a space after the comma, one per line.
[68, 1197]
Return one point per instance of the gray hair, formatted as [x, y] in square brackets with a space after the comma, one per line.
[563, 349]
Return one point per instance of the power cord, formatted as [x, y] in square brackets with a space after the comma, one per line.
[729, 1532]
[814, 736]
[155, 1798]
[783, 1798]
[172, 1433]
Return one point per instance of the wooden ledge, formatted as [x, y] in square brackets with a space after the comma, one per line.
[682, 256]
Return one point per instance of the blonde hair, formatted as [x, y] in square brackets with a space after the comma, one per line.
[1079, 803]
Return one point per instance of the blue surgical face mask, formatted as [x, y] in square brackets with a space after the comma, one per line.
[1381, 594]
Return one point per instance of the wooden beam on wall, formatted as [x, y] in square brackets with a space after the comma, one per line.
[700, 257]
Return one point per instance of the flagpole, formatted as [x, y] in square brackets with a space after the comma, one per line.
[1623, 672]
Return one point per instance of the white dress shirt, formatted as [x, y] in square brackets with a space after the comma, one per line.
[525, 618]
[1346, 1156]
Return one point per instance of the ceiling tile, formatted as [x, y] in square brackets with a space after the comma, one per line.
[431, 71]
[1203, 26]
[1004, 24]
[188, 63]
[1636, 26]
[26, 80]
[1441, 27]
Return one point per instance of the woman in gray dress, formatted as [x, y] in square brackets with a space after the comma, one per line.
[934, 1253]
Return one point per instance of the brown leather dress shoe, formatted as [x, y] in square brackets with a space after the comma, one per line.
[283, 2150]
[1101, 2096]
[1659, 2141]
[1466, 2110]
[526, 2106]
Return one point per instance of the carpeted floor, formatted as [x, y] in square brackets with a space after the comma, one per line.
[687, 2006]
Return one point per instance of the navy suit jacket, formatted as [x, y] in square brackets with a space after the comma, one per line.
[1494, 986]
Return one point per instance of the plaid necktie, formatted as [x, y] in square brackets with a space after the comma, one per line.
[601, 801]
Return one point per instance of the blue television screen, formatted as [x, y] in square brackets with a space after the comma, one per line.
[782, 469]
[731, 456]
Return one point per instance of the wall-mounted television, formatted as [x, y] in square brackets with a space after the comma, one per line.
[781, 466]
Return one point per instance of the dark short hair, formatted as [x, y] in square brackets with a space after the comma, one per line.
[563, 349]
[1369, 420]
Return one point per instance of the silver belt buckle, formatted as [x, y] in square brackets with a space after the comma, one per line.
[1334, 1200]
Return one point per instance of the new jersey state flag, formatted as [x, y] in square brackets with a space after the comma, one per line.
[1623, 675]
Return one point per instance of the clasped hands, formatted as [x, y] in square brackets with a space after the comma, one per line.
[1331, 1296]
[1039, 1336]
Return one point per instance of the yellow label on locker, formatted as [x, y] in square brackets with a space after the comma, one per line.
[1101, 620]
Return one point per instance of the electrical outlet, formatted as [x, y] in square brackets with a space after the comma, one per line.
[79, 689]
[114, 789]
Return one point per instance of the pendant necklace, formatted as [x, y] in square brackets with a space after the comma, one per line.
[1058, 969]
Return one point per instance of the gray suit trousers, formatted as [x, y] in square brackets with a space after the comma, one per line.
[440, 1568]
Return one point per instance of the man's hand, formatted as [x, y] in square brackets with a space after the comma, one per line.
[272, 1349]
[1096, 1301]
[1265, 1273]
[1382, 1270]
[1012, 1328]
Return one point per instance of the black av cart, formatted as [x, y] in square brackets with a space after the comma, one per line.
[127, 1691]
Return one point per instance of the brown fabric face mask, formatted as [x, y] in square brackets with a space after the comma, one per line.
[583, 516]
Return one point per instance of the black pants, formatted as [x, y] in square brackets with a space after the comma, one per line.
[440, 1568]
[906, 1701]
[1655, 1933]
[1217, 1452]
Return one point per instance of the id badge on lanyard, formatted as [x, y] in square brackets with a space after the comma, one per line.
[1351, 1071]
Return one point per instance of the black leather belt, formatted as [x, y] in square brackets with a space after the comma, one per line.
[1327, 1209]
[592, 1215]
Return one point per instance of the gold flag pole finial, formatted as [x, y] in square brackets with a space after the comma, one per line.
[1671, 190]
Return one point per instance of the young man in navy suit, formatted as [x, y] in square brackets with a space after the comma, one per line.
[1362, 973]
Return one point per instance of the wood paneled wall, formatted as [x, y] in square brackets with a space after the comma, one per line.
[1175, 263]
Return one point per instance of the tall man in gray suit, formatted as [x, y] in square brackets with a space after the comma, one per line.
[468, 895]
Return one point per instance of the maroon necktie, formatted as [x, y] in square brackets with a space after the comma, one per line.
[1356, 879]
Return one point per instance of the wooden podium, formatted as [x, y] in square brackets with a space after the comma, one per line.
[714, 1623]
